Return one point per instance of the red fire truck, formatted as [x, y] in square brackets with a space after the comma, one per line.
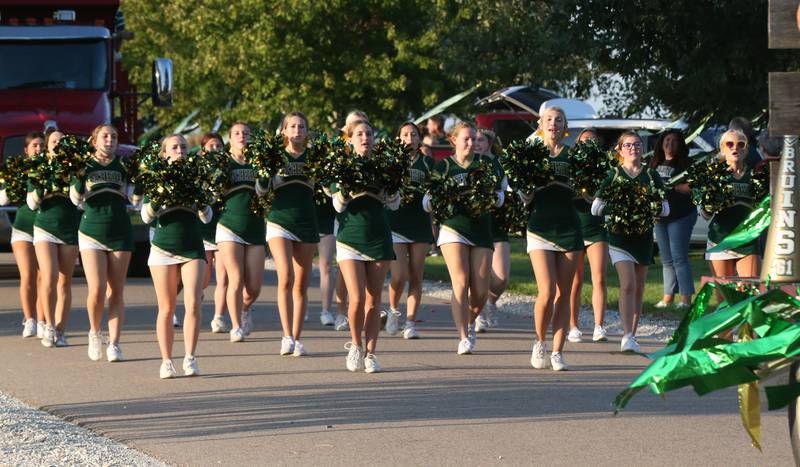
[61, 66]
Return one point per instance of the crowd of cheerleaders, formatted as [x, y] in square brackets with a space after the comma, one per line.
[371, 233]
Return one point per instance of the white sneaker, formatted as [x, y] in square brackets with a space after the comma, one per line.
[247, 322]
[218, 325]
[629, 344]
[49, 338]
[287, 345]
[662, 304]
[410, 331]
[492, 315]
[472, 335]
[481, 324]
[575, 335]
[113, 353]
[537, 356]
[61, 340]
[599, 334]
[557, 362]
[175, 322]
[299, 350]
[95, 346]
[464, 347]
[371, 364]
[29, 328]
[341, 324]
[167, 370]
[393, 321]
[237, 335]
[190, 367]
[355, 357]
[40, 327]
[326, 318]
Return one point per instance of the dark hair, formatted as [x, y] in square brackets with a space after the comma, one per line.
[208, 137]
[439, 119]
[742, 124]
[411, 124]
[32, 136]
[682, 155]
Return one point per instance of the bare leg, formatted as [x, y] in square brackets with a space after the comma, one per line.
[416, 267]
[375, 275]
[302, 265]
[67, 254]
[192, 277]
[575, 293]
[95, 268]
[598, 263]
[165, 281]
[117, 272]
[327, 248]
[354, 274]
[399, 274]
[25, 257]
[233, 259]
[457, 259]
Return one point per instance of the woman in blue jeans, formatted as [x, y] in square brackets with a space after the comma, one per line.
[671, 158]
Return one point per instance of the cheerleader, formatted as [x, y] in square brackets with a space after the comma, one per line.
[466, 242]
[292, 232]
[744, 260]
[554, 243]
[105, 239]
[33, 311]
[55, 239]
[412, 237]
[501, 257]
[631, 254]
[209, 143]
[364, 252]
[177, 251]
[595, 240]
[240, 237]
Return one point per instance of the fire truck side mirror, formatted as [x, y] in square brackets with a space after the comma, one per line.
[162, 82]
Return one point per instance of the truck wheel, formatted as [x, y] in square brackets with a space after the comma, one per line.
[794, 422]
[138, 266]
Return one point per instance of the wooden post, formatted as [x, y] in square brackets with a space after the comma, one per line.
[784, 32]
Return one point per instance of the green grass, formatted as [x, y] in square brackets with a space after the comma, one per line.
[521, 280]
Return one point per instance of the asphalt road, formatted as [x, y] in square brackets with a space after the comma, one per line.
[431, 406]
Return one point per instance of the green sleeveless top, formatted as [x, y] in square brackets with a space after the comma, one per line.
[105, 216]
[24, 219]
[410, 221]
[725, 221]
[236, 215]
[364, 227]
[293, 206]
[477, 230]
[554, 217]
[178, 234]
[58, 217]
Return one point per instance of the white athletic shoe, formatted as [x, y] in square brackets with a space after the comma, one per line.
[95, 346]
[464, 347]
[629, 344]
[492, 315]
[371, 364]
[113, 353]
[167, 370]
[190, 367]
[49, 338]
[355, 357]
[537, 356]
[287, 345]
[410, 331]
[557, 362]
[61, 340]
[237, 335]
[326, 318]
[575, 335]
[662, 304]
[175, 322]
[599, 334]
[218, 325]
[247, 322]
[29, 328]
[40, 327]
[481, 324]
[472, 335]
[393, 322]
[342, 324]
[299, 350]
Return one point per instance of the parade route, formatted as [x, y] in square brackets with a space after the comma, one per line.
[431, 406]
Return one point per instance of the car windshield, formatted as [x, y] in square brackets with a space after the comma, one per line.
[53, 64]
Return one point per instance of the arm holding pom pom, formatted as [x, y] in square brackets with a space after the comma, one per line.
[4, 201]
[340, 202]
[598, 205]
[393, 202]
[76, 194]
[33, 200]
[262, 188]
[205, 214]
[148, 213]
[426, 202]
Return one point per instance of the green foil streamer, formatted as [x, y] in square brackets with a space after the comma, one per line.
[750, 228]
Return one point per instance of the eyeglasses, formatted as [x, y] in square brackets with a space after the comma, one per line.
[630, 146]
[737, 144]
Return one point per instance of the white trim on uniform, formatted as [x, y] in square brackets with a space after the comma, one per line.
[450, 235]
[618, 254]
[276, 231]
[720, 255]
[225, 234]
[41, 235]
[20, 236]
[537, 242]
[397, 238]
[86, 242]
[209, 246]
[345, 252]
[159, 257]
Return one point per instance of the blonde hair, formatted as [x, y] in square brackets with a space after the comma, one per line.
[98, 129]
[540, 132]
[725, 136]
[288, 116]
[460, 125]
[164, 140]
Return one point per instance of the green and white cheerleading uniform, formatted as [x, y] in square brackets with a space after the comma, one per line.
[209, 232]
[57, 218]
[498, 233]
[363, 232]
[410, 223]
[554, 224]
[238, 223]
[725, 221]
[177, 237]
[462, 228]
[592, 228]
[637, 248]
[103, 194]
[22, 229]
[293, 214]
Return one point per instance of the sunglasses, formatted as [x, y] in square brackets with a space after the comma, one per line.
[736, 144]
